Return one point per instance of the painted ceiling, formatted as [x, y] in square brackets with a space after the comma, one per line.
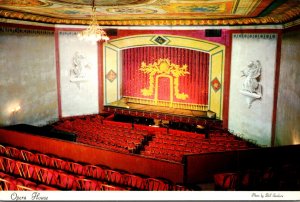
[153, 12]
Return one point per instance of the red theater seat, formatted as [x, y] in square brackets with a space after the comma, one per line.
[226, 181]
[25, 185]
[26, 170]
[87, 185]
[114, 176]
[2, 150]
[44, 175]
[6, 185]
[63, 180]
[153, 184]
[8, 165]
[13, 152]
[44, 160]
[28, 156]
[74, 168]
[59, 163]
[94, 171]
[134, 181]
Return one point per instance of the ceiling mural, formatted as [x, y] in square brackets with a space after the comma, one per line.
[153, 12]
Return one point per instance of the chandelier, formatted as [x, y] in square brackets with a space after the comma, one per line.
[94, 32]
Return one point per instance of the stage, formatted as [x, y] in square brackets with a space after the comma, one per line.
[198, 117]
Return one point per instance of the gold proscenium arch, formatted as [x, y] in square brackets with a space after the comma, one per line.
[112, 62]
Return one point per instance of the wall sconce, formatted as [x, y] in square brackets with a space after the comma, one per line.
[15, 110]
[13, 114]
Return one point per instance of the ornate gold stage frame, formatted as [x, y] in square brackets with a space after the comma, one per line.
[112, 63]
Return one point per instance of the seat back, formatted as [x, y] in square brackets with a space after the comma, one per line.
[6, 185]
[95, 172]
[13, 152]
[114, 176]
[153, 184]
[87, 185]
[44, 175]
[28, 156]
[44, 160]
[226, 181]
[25, 170]
[134, 181]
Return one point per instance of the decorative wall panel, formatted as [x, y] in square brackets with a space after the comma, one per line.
[79, 95]
[255, 122]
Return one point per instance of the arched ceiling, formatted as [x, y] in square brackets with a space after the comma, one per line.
[153, 12]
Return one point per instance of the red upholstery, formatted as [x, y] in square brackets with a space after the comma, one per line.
[2, 150]
[28, 156]
[63, 180]
[26, 170]
[44, 175]
[44, 160]
[6, 185]
[58, 163]
[50, 173]
[13, 152]
[42, 187]
[87, 185]
[113, 176]
[134, 181]
[75, 168]
[106, 187]
[8, 165]
[226, 181]
[25, 185]
[153, 184]
[95, 172]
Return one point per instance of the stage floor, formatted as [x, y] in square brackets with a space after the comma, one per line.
[134, 109]
[167, 110]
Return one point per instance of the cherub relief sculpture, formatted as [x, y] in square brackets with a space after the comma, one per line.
[251, 87]
[79, 70]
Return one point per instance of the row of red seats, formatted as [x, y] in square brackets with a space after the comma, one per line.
[50, 177]
[124, 148]
[195, 147]
[170, 146]
[182, 135]
[166, 146]
[159, 154]
[285, 177]
[8, 183]
[54, 171]
[95, 133]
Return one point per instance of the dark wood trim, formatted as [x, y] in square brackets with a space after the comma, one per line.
[226, 94]
[57, 62]
[276, 86]
[100, 76]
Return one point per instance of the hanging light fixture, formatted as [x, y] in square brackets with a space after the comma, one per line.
[94, 32]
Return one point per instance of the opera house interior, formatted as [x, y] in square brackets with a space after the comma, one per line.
[150, 95]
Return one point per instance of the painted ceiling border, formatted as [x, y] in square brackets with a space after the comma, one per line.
[280, 19]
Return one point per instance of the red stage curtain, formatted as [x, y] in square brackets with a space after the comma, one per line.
[194, 84]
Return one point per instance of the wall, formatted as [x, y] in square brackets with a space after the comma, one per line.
[27, 76]
[255, 122]
[79, 92]
[288, 107]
